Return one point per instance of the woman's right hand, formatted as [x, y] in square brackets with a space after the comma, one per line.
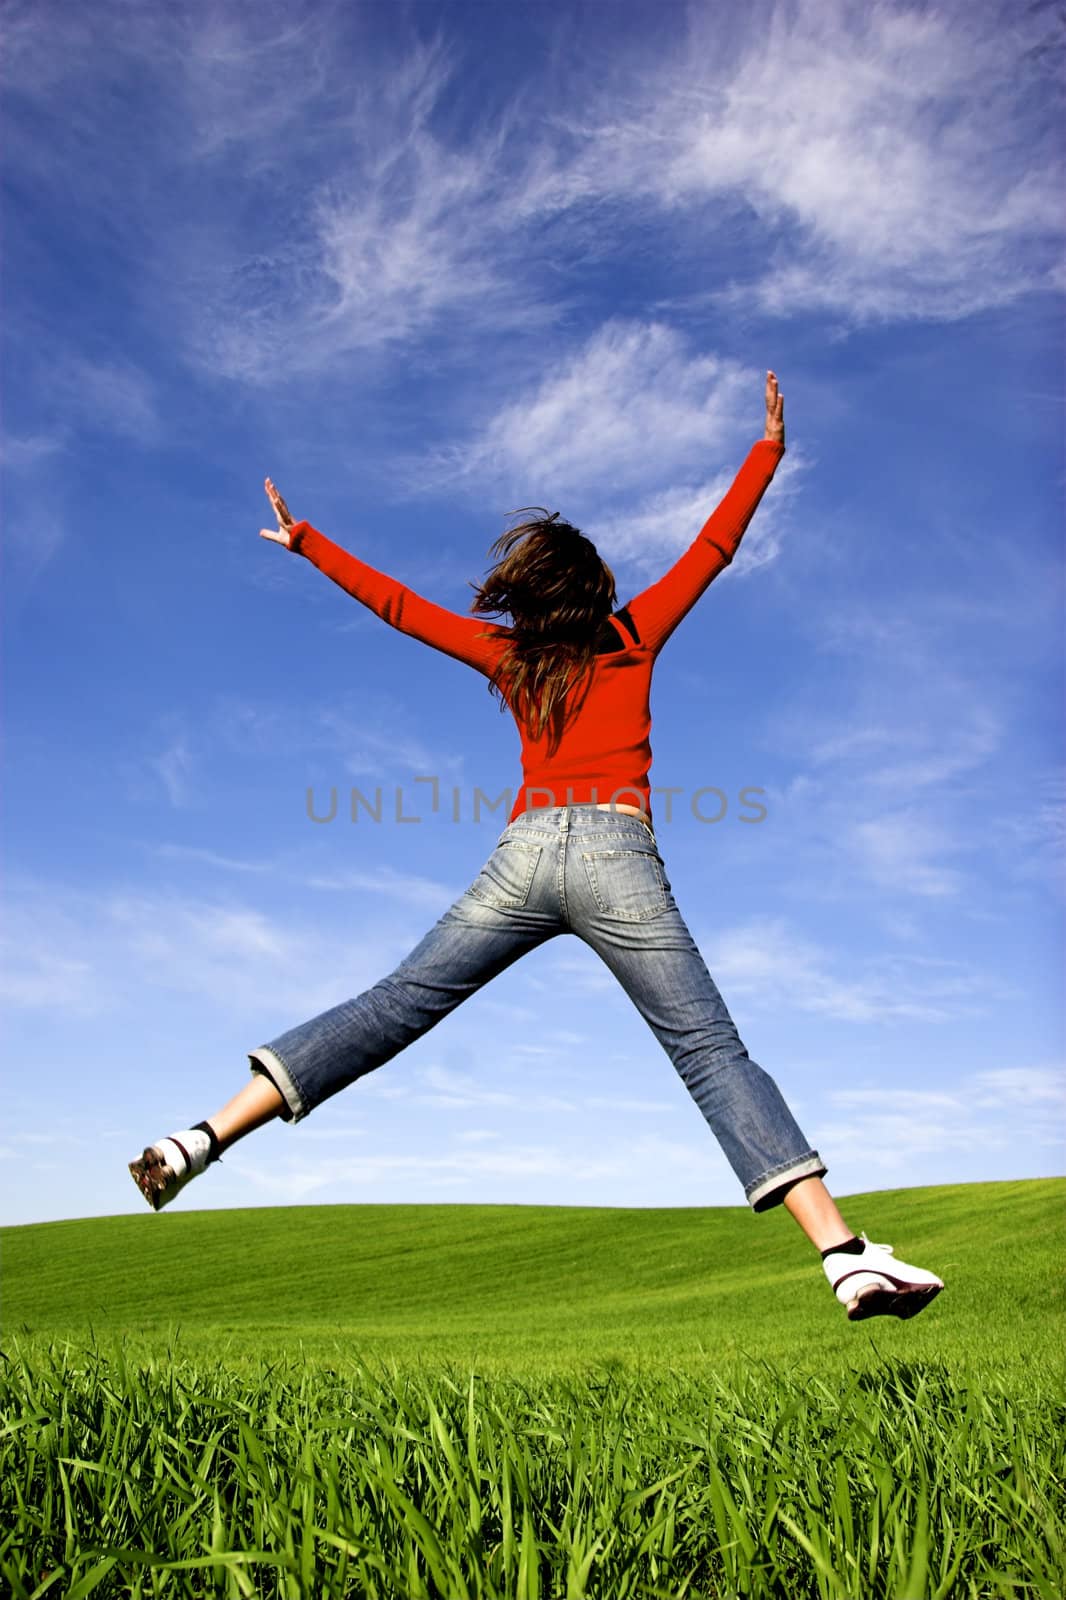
[775, 411]
[282, 534]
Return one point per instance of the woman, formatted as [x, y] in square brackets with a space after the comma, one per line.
[579, 855]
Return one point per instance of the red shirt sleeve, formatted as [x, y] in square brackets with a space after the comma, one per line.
[400, 607]
[657, 611]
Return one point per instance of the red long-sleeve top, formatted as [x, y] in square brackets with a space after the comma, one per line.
[605, 751]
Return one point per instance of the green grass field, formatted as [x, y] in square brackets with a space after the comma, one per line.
[448, 1401]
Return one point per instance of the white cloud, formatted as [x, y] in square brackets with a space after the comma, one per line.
[948, 736]
[113, 396]
[623, 417]
[830, 154]
[446, 1089]
[409, 233]
[21, 453]
[855, 128]
[218, 65]
[908, 803]
[1021, 1086]
[460, 1091]
[414, 243]
[86, 952]
[580, 973]
[900, 1100]
[405, 887]
[36, 534]
[175, 767]
[368, 743]
[615, 1103]
[210, 858]
[997, 1109]
[765, 958]
[166, 933]
[612, 1160]
[1035, 831]
[890, 1142]
[658, 527]
[368, 732]
[632, 405]
[35, 975]
[903, 851]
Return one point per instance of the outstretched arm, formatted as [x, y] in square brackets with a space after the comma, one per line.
[657, 611]
[392, 601]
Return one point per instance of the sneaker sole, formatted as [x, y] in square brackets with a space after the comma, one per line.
[151, 1177]
[882, 1301]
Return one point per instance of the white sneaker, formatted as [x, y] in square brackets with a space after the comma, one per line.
[875, 1284]
[165, 1168]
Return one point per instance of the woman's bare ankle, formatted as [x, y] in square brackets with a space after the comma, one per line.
[258, 1103]
[814, 1209]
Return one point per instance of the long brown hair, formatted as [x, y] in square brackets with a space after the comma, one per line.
[558, 592]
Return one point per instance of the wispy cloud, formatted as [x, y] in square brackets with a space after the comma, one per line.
[447, 1089]
[36, 975]
[408, 231]
[889, 1141]
[20, 453]
[1021, 1086]
[368, 740]
[37, 535]
[108, 396]
[632, 403]
[406, 887]
[459, 1091]
[421, 235]
[956, 735]
[368, 732]
[218, 63]
[90, 951]
[981, 1111]
[658, 527]
[844, 137]
[999, 1089]
[773, 963]
[175, 767]
[901, 1101]
[1035, 831]
[904, 851]
[614, 1159]
[904, 786]
[853, 130]
[168, 851]
[614, 425]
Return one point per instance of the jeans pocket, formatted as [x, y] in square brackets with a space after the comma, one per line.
[627, 883]
[505, 878]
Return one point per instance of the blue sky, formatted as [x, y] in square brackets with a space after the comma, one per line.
[423, 264]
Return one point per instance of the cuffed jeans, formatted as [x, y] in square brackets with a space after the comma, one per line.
[599, 875]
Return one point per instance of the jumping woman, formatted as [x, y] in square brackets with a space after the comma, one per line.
[578, 855]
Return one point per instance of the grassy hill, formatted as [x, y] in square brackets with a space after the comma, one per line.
[540, 1288]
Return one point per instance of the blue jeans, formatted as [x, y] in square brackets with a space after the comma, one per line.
[599, 875]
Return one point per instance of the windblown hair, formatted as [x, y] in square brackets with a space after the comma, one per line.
[558, 592]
